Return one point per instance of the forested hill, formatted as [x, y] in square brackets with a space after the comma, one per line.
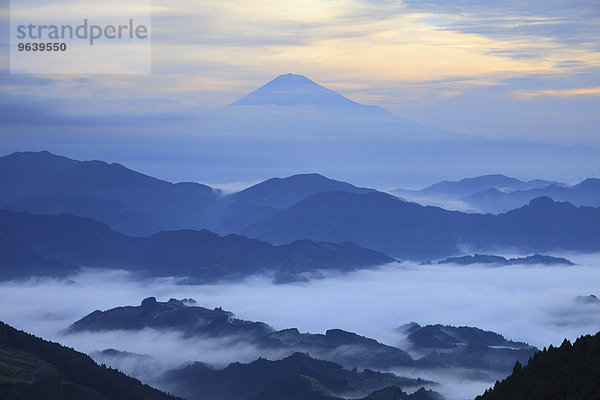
[568, 372]
[32, 368]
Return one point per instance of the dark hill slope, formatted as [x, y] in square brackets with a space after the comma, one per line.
[32, 368]
[571, 371]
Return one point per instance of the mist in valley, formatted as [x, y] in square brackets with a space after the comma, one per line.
[533, 304]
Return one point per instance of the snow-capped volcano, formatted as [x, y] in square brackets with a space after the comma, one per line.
[291, 90]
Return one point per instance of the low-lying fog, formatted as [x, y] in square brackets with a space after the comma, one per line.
[534, 304]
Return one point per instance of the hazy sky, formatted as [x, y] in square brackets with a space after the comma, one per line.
[511, 69]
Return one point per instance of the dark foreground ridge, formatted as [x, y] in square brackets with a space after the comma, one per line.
[571, 371]
[33, 368]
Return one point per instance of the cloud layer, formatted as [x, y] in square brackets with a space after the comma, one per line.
[534, 304]
[528, 303]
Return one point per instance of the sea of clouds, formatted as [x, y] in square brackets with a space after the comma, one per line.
[534, 304]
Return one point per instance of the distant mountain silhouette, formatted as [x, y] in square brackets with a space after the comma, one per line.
[470, 186]
[586, 193]
[96, 189]
[17, 261]
[117, 215]
[307, 206]
[283, 193]
[379, 219]
[26, 173]
[262, 200]
[465, 347]
[55, 245]
[498, 260]
[173, 205]
[408, 230]
[571, 371]
[499, 193]
[260, 378]
[33, 368]
[139, 205]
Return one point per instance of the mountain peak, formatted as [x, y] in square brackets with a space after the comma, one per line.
[543, 201]
[291, 90]
[293, 79]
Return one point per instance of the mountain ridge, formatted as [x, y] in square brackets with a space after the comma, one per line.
[585, 193]
[499, 260]
[239, 381]
[63, 243]
[269, 197]
[198, 322]
[409, 230]
[279, 210]
[461, 347]
[467, 186]
[139, 205]
[112, 187]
